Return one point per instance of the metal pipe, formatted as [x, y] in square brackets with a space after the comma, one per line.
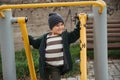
[98, 48]
[7, 47]
[14, 20]
[90, 15]
[22, 22]
[101, 4]
[2, 15]
[83, 47]
[100, 44]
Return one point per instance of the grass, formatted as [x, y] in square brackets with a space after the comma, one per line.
[22, 66]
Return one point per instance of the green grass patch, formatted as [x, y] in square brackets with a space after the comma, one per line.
[22, 69]
[114, 53]
[22, 65]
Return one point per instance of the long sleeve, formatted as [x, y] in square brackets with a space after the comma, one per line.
[34, 42]
[75, 34]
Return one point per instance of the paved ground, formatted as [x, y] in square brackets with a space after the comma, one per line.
[113, 71]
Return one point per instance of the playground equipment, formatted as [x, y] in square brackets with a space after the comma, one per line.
[22, 22]
[83, 57]
[100, 38]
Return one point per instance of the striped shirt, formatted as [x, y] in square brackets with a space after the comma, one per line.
[54, 51]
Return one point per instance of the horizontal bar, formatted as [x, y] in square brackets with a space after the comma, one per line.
[100, 4]
[15, 19]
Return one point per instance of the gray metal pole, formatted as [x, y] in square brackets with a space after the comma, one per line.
[7, 47]
[100, 44]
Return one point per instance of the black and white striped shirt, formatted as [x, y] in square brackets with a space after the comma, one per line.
[54, 51]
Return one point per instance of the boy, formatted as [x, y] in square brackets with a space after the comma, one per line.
[55, 59]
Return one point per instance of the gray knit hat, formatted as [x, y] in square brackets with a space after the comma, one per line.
[54, 18]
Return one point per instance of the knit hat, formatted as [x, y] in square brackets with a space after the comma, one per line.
[54, 18]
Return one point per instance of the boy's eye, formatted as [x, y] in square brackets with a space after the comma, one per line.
[57, 25]
[62, 24]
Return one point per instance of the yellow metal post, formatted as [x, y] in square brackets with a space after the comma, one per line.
[83, 55]
[21, 21]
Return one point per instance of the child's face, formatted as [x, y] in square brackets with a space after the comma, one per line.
[58, 29]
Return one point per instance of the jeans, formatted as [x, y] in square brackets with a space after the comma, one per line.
[52, 72]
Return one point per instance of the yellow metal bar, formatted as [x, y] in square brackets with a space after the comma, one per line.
[83, 55]
[2, 15]
[21, 21]
[100, 4]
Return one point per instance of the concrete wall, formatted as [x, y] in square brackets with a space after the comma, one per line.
[38, 18]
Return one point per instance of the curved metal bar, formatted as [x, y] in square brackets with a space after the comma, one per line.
[100, 4]
[22, 22]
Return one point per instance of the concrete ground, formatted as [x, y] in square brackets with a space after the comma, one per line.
[113, 71]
